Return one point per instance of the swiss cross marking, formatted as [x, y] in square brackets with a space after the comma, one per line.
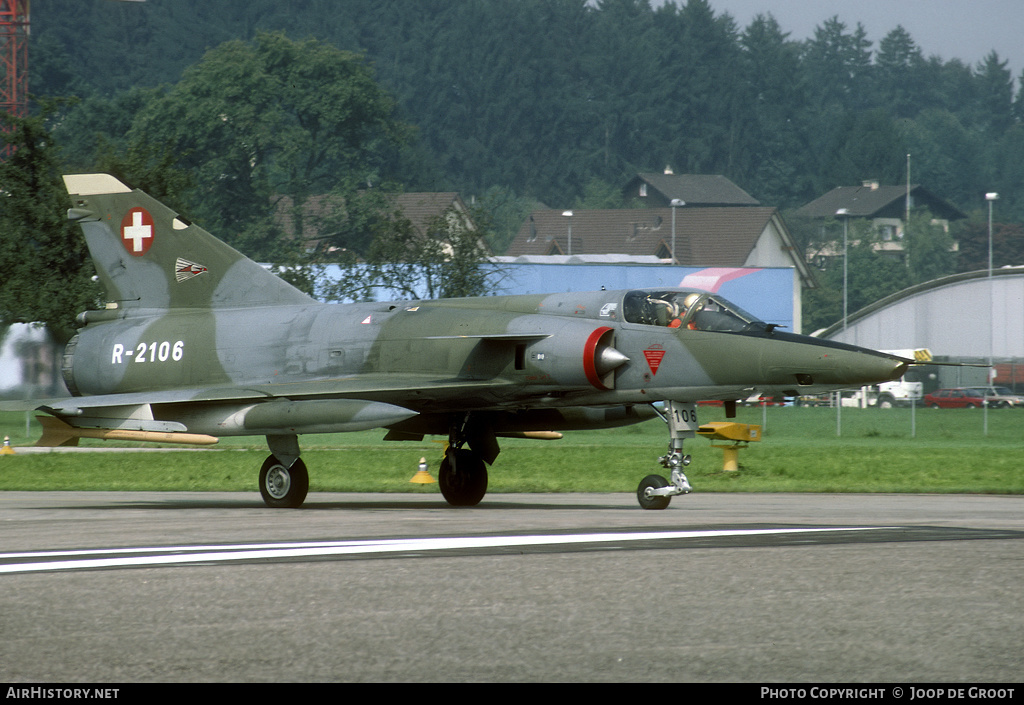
[137, 231]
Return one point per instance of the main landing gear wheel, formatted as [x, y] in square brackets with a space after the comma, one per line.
[643, 494]
[283, 487]
[463, 482]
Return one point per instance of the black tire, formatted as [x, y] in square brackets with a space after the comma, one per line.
[281, 487]
[464, 483]
[653, 482]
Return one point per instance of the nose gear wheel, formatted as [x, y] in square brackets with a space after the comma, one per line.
[654, 491]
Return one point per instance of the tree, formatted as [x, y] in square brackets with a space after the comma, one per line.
[47, 272]
[898, 73]
[1018, 102]
[444, 262]
[96, 125]
[838, 66]
[775, 168]
[946, 151]
[349, 224]
[506, 212]
[868, 145]
[871, 275]
[599, 195]
[1007, 245]
[929, 248]
[711, 98]
[256, 122]
[1007, 174]
[995, 93]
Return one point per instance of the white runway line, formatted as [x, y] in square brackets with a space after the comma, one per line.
[177, 555]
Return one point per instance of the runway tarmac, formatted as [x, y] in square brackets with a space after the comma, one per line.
[108, 587]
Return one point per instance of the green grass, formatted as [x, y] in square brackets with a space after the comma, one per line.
[801, 452]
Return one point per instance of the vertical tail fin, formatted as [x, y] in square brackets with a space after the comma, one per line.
[149, 257]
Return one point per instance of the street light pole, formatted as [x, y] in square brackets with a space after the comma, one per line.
[676, 203]
[845, 215]
[990, 197]
[568, 214]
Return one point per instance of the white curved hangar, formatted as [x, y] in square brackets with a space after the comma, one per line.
[959, 316]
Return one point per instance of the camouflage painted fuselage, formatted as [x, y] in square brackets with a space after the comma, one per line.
[451, 356]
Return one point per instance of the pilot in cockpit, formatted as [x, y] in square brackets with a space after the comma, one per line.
[670, 312]
[681, 312]
[692, 310]
[665, 312]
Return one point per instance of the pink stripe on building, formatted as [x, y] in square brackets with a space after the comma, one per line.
[712, 278]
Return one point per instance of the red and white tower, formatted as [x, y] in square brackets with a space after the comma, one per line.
[14, 27]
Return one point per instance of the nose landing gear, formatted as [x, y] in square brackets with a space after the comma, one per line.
[654, 491]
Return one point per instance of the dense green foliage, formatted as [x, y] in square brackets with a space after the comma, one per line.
[543, 96]
[47, 276]
[236, 114]
[873, 274]
[394, 258]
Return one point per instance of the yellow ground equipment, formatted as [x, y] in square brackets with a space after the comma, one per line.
[423, 476]
[740, 435]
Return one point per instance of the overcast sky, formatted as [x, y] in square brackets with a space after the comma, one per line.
[952, 29]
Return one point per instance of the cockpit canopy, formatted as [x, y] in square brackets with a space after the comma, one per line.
[694, 310]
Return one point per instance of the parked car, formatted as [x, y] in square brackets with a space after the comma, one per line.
[955, 398]
[755, 400]
[1001, 397]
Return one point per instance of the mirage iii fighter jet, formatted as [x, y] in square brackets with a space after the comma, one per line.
[197, 342]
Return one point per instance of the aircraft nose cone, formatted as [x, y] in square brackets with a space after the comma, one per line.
[812, 362]
[870, 367]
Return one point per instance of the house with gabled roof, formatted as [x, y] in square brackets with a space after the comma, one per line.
[654, 190]
[885, 206]
[722, 237]
[876, 201]
[421, 208]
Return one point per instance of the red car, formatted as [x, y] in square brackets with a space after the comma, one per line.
[956, 398]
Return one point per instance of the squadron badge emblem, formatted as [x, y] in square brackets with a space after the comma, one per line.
[183, 270]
